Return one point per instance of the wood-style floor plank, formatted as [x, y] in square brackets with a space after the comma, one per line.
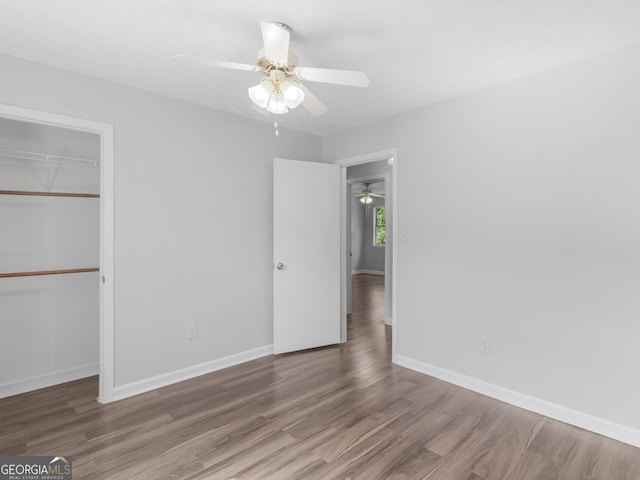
[336, 413]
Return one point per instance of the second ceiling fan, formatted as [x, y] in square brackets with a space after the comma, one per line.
[280, 89]
[366, 195]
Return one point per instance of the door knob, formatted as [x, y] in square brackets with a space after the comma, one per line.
[280, 266]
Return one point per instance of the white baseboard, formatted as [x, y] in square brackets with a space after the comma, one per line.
[176, 376]
[45, 380]
[370, 272]
[558, 412]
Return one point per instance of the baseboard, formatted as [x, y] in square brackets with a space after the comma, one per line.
[45, 380]
[370, 272]
[558, 412]
[176, 376]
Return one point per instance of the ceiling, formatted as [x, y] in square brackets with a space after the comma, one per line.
[416, 52]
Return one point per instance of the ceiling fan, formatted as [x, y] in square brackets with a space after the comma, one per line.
[280, 89]
[366, 196]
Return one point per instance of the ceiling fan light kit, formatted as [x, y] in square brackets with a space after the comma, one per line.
[280, 89]
[276, 93]
[366, 195]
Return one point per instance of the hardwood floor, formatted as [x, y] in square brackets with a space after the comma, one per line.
[342, 412]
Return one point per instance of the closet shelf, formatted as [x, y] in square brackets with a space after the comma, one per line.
[49, 194]
[48, 272]
[43, 157]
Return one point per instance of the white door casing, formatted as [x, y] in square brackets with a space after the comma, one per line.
[306, 255]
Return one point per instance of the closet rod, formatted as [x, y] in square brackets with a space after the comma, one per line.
[48, 272]
[49, 194]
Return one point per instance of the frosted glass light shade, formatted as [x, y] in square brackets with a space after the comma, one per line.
[293, 96]
[277, 104]
[259, 95]
[366, 199]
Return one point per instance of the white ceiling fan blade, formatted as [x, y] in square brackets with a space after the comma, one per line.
[326, 75]
[210, 62]
[276, 42]
[313, 105]
[379, 195]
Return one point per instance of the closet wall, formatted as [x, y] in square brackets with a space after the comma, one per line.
[49, 327]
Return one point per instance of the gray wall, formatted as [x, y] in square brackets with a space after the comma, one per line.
[181, 254]
[520, 206]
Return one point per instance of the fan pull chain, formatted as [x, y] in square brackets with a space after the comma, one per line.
[275, 126]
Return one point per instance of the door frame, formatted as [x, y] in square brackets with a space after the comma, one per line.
[392, 154]
[107, 316]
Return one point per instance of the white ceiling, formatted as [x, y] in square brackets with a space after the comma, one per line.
[416, 52]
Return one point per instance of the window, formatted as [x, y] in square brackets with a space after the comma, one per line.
[379, 229]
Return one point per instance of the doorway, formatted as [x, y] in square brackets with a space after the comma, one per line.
[103, 136]
[366, 226]
[361, 168]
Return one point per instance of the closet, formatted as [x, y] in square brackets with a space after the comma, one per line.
[49, 255]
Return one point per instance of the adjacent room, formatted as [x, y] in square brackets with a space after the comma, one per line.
[303, 240]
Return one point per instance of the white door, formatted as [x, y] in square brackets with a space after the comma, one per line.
[306, 255]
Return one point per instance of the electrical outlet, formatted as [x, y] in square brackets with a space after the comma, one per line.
[485, 345]
[192, 331]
